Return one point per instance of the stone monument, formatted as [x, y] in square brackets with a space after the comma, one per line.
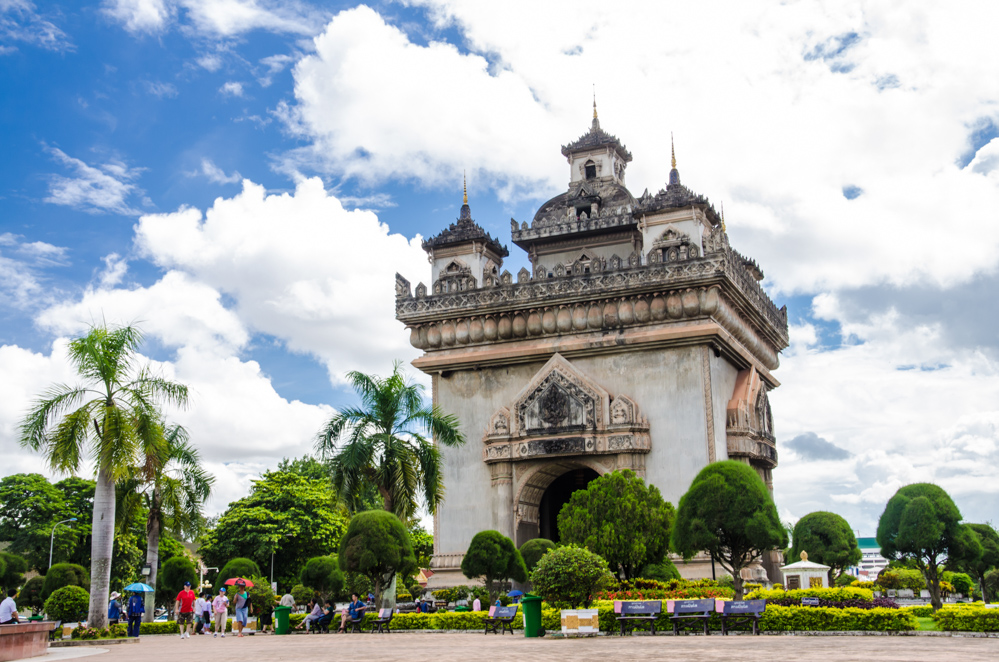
[639, 339]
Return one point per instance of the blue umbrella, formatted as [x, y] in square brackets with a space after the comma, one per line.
[139, 587]
[514, 594]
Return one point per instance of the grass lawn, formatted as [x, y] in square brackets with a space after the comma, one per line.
[927, 623]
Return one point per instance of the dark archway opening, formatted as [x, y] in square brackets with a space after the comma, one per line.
[557, 495]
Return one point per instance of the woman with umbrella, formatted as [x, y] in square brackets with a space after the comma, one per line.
[242, 605]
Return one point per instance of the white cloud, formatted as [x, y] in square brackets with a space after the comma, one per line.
[908, 407]
[299, 267]
[232, 89]
[160, 89]
[216, 175]
[21, 23]
[114, 271]
[21, 282]
[104, 188]
[776, 113]
[140, 15]
[216, 18]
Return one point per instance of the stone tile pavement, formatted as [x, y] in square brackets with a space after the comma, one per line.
[434, 647]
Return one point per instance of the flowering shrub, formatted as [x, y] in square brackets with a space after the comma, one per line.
[111, 632]
[860, 584]
[968, 618]
[842, 593]
[675, 589]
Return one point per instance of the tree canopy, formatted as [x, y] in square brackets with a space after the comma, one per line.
[828, 539]
[65, 574]
[31, 506]
[285, 513]
[377, 546]
[621, 518]
[493, 557]
[12, 569]
[728, 513]
[532, 551]
[921, 523]
[988, 538]
[384, 443]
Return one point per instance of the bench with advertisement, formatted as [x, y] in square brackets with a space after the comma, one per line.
[500, 617]
[740, 612]
[633, 613]
[690, 614]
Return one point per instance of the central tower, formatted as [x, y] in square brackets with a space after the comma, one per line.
[638, 339]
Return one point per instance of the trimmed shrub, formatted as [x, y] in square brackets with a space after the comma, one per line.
[969, 618]
[65, 574]
[322, 574]
[901, 578]
[169, 627]
[860, 584]
[171, 578]
[921, 611]
[961, 582]
[119, 631]
[67, 604]
[301, 594]
[532, 551]
[827, 619]
[238, 567]
[842, 593]
[570, 576]
[662, 572]
[30, 594]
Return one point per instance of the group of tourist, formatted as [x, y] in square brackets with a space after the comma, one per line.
[318, 613]
[201, 614]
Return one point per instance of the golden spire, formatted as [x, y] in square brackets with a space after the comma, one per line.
[672, 149]
[594, 101]
[464, 187]
[723, 216]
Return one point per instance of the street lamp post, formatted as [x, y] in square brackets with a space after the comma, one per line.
[52, 537]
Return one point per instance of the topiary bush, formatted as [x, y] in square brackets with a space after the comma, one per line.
[238, 567]
[967, 619]
[30, 595]
[171, 577]
[67, 604]
[302, 594]
[662, 572]
[322, 574]
[532, 551]
[570, 576]
[65, 574]
[901, 578]
[961, 582]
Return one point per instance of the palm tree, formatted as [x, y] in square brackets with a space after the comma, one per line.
[382, 442]
[172, 486]
[110, 419]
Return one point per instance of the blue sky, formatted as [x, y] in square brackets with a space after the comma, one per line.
[243, 177]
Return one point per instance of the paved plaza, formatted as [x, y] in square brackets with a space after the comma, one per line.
[446, 646]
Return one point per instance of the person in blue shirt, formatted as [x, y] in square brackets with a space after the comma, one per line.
[351, 611]
[136, 608]
[114, 609]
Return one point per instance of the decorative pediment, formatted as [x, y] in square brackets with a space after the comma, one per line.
[672, 246]
[561, 411]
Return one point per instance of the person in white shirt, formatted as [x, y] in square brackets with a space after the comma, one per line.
[201, 607]
[8, 610]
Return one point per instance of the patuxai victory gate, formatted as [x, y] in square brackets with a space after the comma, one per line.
[640, 339]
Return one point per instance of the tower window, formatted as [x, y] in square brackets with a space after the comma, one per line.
[590, 169]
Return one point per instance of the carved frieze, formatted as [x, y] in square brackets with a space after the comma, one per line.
[563, 412]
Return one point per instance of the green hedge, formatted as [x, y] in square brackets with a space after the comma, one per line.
[922, 611]
[835, 594]
[970, 618]
[786, 619]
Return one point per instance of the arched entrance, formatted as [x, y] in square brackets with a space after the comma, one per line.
[557, 495]
[544, 489]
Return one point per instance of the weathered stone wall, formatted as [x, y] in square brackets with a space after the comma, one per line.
[668, 386]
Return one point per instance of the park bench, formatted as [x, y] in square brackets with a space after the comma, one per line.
[55, 633]
[354, 624]
[500, 617]
[322, 624]
[383, 620]
[742, 612]
[633, 613]
[687, 613]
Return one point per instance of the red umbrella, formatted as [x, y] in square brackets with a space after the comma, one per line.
[232, 582]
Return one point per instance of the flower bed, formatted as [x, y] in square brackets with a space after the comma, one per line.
[118, 631]
[675, 589]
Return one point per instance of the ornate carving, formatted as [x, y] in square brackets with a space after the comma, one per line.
[709, 410]
[560, 400]
[402, 290]
[749, 427]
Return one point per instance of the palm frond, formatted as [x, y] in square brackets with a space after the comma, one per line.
[55, 402]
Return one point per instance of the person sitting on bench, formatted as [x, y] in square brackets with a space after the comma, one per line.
[351, 611]
[8, 609]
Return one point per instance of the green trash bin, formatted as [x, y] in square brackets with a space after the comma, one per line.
[531, 604]
[281, 625]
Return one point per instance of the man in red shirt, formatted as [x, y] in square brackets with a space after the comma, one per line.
[184, 608]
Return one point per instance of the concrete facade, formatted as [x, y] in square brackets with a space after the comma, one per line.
[639, 339]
